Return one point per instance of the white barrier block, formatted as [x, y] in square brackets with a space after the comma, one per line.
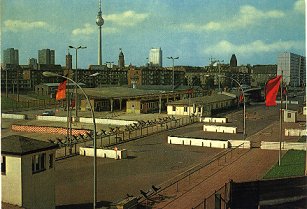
[220, 129]
[240, 143]
[295, 132]
[213, 120]
[13, 116]
[104, 153]
[197, 142]
[284, 145]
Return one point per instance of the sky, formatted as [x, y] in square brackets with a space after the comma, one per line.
[193, 30]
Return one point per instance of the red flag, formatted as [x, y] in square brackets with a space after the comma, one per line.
[271, 90]
[241, 98]
[61, 92]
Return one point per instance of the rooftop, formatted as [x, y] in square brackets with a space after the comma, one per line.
[124, 92]
[203, 100]
[20, 145]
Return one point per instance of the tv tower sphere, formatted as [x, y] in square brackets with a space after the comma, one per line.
[99, 20]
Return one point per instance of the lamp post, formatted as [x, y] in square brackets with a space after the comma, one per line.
[244, 109]
[6, 92]
[173, 83]
[76, 78]
[50, 74]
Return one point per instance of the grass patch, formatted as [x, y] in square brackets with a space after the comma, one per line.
[292, 164]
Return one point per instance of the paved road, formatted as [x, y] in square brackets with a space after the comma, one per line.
[153, 161]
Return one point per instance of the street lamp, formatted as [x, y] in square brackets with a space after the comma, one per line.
[50, 74]
[244, 109]
[173, 58]
[76, 77]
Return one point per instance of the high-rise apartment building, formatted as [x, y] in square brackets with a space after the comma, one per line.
[293, 68]
[10, 56]
[32, 62]
[46, 56]
[155, 57]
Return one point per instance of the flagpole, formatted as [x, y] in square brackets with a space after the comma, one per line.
[280, 118]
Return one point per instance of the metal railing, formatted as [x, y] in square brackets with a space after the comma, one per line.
[191, 178]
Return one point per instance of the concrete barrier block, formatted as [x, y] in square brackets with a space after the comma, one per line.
[13, 116]
[198, 142]
[220, 129]
[104, 153]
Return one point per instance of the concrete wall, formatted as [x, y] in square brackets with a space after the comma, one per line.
[295, 132]
[213, 120]
[47, 129]
[284, 145]
[51, 118]
[240, 143]
[197, 142]
[220, 129]
[11, 181]
[104, 153]
[38, 188]
[88, 120]
[108, 121]
[13, 116]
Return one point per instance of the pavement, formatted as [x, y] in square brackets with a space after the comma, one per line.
[153, 161]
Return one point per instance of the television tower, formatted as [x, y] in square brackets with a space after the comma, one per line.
[99, 22]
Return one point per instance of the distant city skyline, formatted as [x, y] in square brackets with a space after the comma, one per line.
[255, 31]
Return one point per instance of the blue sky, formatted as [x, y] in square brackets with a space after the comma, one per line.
[194, 30]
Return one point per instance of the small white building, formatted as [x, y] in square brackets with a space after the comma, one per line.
[290, 116]
[28, 172]
[201, 106]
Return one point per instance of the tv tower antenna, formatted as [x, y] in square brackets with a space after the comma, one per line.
[99, 22]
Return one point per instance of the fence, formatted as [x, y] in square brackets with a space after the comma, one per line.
[193, 177]
[218, 200]
[139, 130]
[32, 104]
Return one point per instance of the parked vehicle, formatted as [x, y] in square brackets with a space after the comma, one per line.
[48, 113]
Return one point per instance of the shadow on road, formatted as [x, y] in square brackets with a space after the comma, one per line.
[84, 205]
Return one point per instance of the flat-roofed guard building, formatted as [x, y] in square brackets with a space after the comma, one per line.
[133, 100]
[28, 172]
[201, 106]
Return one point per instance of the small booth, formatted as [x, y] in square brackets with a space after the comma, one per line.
[290, 116]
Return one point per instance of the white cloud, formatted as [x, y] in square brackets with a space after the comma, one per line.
[254, 47]
[248, 15]
[299, 6]
[19, 25]
[89, 29]
[127, 18]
